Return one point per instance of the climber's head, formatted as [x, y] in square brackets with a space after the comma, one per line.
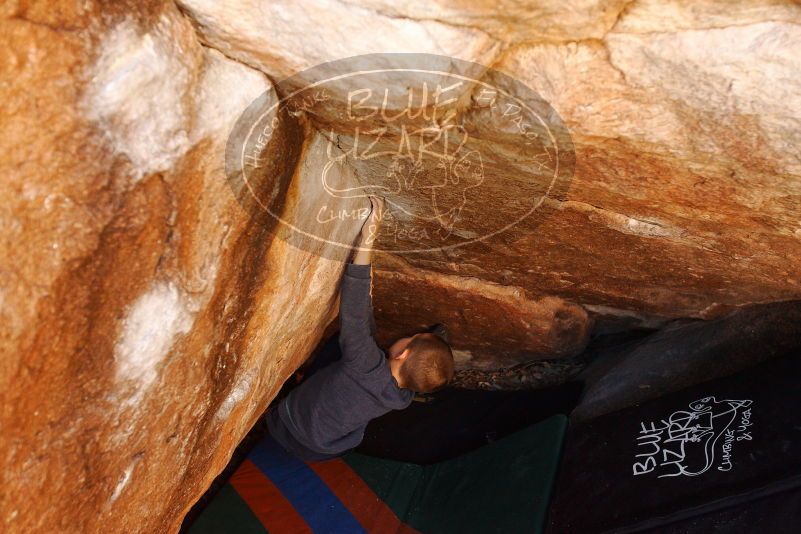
[422, 363]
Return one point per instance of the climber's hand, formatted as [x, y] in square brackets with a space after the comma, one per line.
[369, 233]
[373, 223]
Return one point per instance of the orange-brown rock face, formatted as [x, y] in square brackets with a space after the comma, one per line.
[147, 319]
[497, 325]
[684, 200]
[150, 311]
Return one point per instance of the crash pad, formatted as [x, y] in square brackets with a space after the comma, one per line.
[502, 487]
[454, 421]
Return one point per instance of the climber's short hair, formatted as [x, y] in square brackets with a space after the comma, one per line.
[428, 365]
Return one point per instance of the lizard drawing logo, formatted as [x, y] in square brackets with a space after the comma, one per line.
[460, 153]
[691, 442]
[445, 181]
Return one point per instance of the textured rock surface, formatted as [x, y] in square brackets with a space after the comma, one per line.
[147, 319]
[686, 353]
[497, 325]
[685, 199]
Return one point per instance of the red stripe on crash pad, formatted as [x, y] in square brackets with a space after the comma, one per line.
[266, 501]
[369, 510]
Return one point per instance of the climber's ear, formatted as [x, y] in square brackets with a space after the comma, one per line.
[402, 355]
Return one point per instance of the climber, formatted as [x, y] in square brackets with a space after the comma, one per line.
[326, 415]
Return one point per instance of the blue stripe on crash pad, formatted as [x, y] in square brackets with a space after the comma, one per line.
[318, 506]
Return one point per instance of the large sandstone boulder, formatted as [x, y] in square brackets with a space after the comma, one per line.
[150, 311]
[147, 319]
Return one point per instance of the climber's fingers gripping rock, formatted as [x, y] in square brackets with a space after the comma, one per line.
[370, 230]
[373, 223]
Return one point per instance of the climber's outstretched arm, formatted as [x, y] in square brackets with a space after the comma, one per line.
[357, 326]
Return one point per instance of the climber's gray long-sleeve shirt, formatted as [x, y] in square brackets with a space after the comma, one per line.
[329, 411]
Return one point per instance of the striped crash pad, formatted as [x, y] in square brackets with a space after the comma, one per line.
[502, 487]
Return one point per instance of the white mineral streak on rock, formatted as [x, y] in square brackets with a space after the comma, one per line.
[137, 95]
[151, 326]
[125, 478]
[242, 388]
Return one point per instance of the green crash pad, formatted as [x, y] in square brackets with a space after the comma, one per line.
[502, 487]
